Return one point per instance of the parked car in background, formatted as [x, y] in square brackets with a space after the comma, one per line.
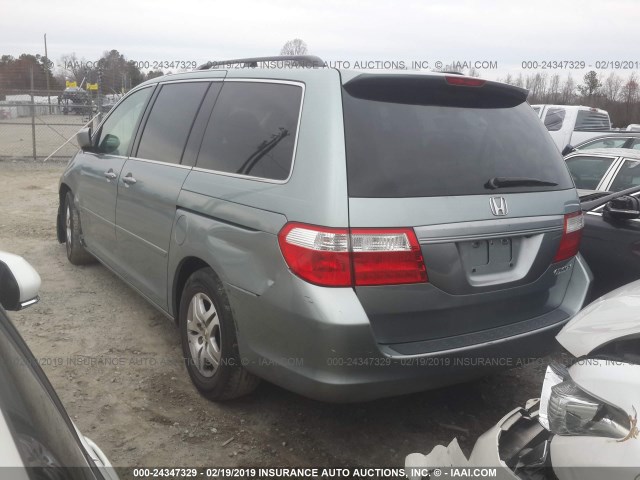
[604, 169]
[585, 423]
[633, 127]
[611, 238]
[75, 100]
[38, 438]
[323, 229]
[574, 124]
[628, 140]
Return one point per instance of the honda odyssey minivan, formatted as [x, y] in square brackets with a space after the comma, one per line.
[346, 235]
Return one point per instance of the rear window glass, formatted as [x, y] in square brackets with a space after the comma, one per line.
[554, 119]
[252, 130]
[405, 150]
[588, 120]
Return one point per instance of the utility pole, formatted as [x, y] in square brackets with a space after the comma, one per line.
[46, 72]
[99, 116]
[33, 119]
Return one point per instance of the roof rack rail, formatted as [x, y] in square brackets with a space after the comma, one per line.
[303, 60]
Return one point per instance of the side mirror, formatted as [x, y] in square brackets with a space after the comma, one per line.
[109, 144]
[19, 282]
[567, 150]
[625, 207]
[83, 137]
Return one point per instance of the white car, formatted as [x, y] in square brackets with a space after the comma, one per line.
[585, 424]
[37, 437]
[604, 169]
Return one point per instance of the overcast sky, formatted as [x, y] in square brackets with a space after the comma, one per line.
[506, 31]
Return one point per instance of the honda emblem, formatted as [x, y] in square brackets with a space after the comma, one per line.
[498, 206]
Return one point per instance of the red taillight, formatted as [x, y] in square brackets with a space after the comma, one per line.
[319, 255]
[464, 81]
[336, 257]
[571, 235]
[386, 257]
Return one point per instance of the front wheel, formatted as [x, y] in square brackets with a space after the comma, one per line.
[76, 252]
[209, 341]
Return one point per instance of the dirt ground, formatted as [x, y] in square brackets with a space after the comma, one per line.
[145, 412]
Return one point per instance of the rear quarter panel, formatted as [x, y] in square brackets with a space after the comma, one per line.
[232, 223]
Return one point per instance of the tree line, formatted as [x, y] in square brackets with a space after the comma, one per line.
[620, 96]
[16, 73]
[113, 72]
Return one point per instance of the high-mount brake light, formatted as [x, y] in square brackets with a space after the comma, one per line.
[464, 81]
[571, 236]
[339, 257]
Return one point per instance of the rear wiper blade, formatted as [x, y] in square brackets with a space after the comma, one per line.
[501, 182]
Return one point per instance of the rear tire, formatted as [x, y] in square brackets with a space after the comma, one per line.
[76, 252]
[209, 340]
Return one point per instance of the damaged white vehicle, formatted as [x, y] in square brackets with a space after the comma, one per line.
[584, 426]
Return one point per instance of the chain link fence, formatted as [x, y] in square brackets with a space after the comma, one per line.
[43, 124]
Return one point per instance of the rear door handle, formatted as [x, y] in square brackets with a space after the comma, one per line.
[128, 179]
[110, 174]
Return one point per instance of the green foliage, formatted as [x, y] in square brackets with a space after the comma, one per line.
[591, 85]
[154, 74]
[117, 73]
[113, 72]
[15, 73]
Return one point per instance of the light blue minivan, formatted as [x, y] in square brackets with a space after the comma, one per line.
[346, 235]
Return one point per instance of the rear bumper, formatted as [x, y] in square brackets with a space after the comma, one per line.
[319, 342]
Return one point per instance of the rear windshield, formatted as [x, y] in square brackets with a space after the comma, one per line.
[405, 150]
[588, 120]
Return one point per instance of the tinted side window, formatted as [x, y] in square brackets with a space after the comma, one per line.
[118, 130]
[628, 176]
[588, 171]
[554, 119]
[252, 130]
[169, 123]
